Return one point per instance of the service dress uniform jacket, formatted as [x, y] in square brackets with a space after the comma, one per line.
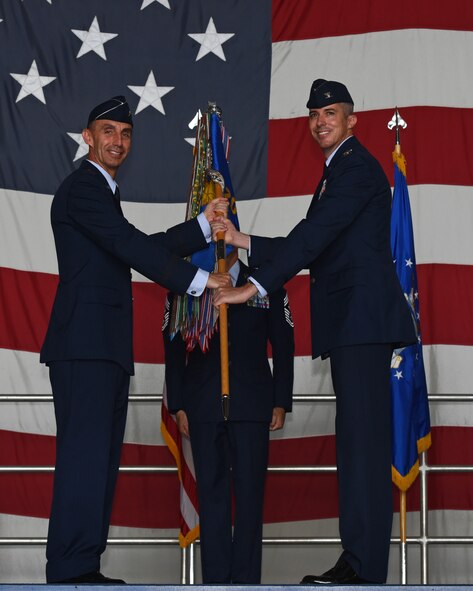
[193, 385]
[358, 313]
[96, 246]
[344, 240]
[88, 348]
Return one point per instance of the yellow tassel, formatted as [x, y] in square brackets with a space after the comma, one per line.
[400, 161]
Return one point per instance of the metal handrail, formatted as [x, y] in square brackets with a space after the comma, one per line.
[276, 469]
[295, 398]
[286, 541]
[188, 555]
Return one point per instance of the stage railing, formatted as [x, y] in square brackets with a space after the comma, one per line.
[188, 555]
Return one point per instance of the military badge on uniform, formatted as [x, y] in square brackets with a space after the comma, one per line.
[347, 152]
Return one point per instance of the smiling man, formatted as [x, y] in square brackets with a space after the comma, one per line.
[358, 313]
[88, 345]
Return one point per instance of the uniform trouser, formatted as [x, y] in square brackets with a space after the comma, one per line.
[90, 404]
[361, 382]
[230, 455]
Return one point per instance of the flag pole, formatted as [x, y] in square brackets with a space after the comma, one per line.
[396, 123]
[219, 185]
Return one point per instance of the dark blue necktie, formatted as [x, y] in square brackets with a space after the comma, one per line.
[116, 197]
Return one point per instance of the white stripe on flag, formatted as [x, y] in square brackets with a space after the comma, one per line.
[418, 72]
[440, 237]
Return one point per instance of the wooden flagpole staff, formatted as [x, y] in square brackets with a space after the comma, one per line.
[219, 185]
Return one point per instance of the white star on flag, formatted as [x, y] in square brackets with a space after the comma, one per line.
[409, 263]
[150, 94]
[211, 41]
[146, 3]
[32, 83]
[192, 125]
[398, 375]
[83, 148]
[93, 39]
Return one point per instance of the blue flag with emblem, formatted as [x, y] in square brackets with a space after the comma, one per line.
[211, 153]
[410, 408]
[195, 318]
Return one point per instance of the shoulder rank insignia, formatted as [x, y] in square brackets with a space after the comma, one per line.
[287, 312]
[167, 306]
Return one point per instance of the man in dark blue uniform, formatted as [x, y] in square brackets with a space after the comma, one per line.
[232, 455]
[358, 313]
[88, 345]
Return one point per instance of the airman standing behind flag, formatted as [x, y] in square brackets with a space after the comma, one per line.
[230, 451]
[195, 319]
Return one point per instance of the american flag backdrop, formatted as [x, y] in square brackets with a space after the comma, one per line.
[256, 59]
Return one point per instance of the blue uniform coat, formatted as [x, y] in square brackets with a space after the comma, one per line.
[233, 455]
[92, 316]
[358, 313]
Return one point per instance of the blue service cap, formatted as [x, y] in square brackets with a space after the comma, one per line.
[115, 109]
[326, 92]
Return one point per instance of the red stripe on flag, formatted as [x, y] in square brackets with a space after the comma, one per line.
[152, 500]
[148, 311]
[306, 19]
[446, 293]
[446, 309]
[25, 305]
[295, 161]
[29, 449]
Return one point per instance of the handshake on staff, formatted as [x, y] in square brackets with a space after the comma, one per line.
[223, 229]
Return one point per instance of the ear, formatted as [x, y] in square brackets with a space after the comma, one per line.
[87, 137]
[352, 119]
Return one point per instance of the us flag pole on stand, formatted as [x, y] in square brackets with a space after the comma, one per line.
[409, 399]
